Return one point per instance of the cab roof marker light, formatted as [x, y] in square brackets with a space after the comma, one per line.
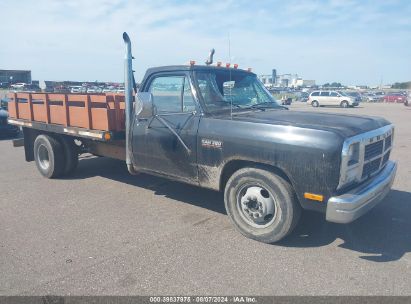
[219, 63]
[192, 62]
[249, 69]
[227, 65]
[235, 65]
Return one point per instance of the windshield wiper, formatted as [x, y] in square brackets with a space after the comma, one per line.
[230, 103]
[264, 105]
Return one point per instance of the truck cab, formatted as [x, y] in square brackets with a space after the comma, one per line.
[190, 99]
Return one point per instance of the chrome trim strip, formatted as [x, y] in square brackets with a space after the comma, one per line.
[91, 134]
[19, 123]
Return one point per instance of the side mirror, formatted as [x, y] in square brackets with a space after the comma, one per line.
[144, 107]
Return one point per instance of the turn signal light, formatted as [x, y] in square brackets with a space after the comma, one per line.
[314, 197]
[107, 136]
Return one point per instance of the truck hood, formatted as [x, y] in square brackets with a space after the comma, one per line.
[342, 124]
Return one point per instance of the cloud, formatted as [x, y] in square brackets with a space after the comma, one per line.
[346, 41]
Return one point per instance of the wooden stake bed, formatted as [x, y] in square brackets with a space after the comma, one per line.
[73, 114]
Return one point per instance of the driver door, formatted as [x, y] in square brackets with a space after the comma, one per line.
[155, 147]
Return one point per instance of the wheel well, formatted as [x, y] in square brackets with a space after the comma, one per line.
[30, 136]
[236, 165]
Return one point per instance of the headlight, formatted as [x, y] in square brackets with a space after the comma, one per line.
[353, 154]
[350, 165]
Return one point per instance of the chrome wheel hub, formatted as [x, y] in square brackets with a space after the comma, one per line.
[44, 160]
[256, 206]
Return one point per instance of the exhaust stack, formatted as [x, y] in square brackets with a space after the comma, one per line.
[210, 57]
[128, 93]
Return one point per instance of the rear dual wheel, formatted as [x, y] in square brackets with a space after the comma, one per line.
[55, 158]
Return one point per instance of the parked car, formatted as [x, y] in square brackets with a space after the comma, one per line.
[331, 98]
[4, 85]
[92, 90]
[357, 96]
[286, 101]
[4, 102]
[5, 128]
[18, 85]
[408, 100]
[395, 97]
[76, 89]
[371, 97]
[302, 97]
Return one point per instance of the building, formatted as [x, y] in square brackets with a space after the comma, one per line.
[267, 80]
[15, 76]
[285, 80]
[303, 83]
[274, 76]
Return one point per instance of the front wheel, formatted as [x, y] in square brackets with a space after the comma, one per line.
[261, 205]
[344, 104]
[315, 104]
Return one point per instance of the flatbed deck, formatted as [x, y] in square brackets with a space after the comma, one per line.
[97, 116]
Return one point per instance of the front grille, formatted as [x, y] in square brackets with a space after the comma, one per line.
[386, 158]
[388, 142]
[373, 155]
[371, 167]
[373, 150]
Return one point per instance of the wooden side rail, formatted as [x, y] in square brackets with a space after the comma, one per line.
[97, 111]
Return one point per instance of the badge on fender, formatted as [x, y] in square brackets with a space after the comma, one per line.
[211, 143]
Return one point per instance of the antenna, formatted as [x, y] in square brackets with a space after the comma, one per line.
[229, 60]
[210, 57]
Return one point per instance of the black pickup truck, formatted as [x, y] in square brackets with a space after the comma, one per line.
[219, 128]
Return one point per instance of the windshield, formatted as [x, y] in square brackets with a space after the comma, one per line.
[220, 88]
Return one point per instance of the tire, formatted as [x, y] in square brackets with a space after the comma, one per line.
[71, 156]
[315, 104]
[263, 192]
[344, 104]
[49, 156]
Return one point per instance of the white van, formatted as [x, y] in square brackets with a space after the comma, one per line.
[331, 98]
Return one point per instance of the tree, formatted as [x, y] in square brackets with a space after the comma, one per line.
[332, 85]
[402, 85]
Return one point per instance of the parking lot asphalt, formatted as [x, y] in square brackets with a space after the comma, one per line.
[105, 232]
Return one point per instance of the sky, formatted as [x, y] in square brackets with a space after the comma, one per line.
[352, 42]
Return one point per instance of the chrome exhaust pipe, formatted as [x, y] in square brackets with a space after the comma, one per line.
[210, 57]
[128, 94]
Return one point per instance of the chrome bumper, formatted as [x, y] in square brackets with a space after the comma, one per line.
[351, 205]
